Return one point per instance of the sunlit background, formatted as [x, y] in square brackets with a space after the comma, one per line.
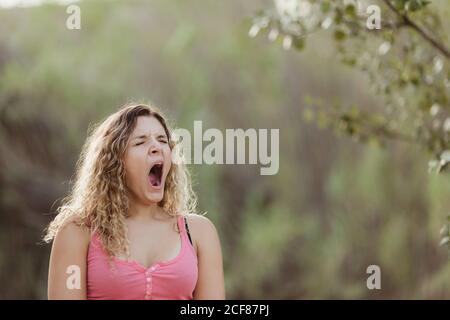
[32, 3]
[335, 207]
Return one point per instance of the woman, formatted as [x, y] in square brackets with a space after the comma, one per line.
[127, 231]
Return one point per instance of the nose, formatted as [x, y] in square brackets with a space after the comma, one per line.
[155, 148]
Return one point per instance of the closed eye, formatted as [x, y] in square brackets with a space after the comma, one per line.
[162, 138]
[142, 139]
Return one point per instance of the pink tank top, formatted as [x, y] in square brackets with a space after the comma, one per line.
[129, 280]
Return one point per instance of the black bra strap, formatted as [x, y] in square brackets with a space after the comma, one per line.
[187, 229]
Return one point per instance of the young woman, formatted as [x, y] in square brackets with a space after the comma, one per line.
[127, 229]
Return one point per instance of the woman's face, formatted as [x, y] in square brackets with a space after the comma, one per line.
[147, 160]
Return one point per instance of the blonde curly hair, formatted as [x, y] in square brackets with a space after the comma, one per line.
[98, 198]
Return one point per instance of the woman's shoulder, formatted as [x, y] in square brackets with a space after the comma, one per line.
[201, 228]
[199, 220]
[73, 233]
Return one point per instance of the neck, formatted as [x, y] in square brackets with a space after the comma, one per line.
[139, 211]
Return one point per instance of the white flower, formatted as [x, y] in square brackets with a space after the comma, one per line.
[384, 48]
[273, 34]
[438, 65]
[253, 31]
[434, 109]
[445, 156]
[304, 9]
[286, 7]
[446, 125]
[293, 9]
[326, 23]
[287, 42]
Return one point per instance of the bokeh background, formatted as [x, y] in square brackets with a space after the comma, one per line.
[335, 207]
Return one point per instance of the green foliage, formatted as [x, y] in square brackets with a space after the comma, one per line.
[406, 66]
[410, 5]
[407, 62]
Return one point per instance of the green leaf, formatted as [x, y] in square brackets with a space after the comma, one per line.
[400, 4]
[340, 35]
[299, 43]
[349, 61]
[308, 115]
[415, 5]
[325, 6]
[338, 17]
[350, 10]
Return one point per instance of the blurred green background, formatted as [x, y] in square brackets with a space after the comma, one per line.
[334, 208]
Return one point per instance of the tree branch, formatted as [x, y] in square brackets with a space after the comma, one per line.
[408, 22]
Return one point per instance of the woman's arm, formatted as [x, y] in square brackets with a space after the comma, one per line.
[210, 283]
[67, 269]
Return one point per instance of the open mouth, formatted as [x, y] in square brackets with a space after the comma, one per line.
[155, 174]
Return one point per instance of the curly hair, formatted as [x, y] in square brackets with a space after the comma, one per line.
[98, 199]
